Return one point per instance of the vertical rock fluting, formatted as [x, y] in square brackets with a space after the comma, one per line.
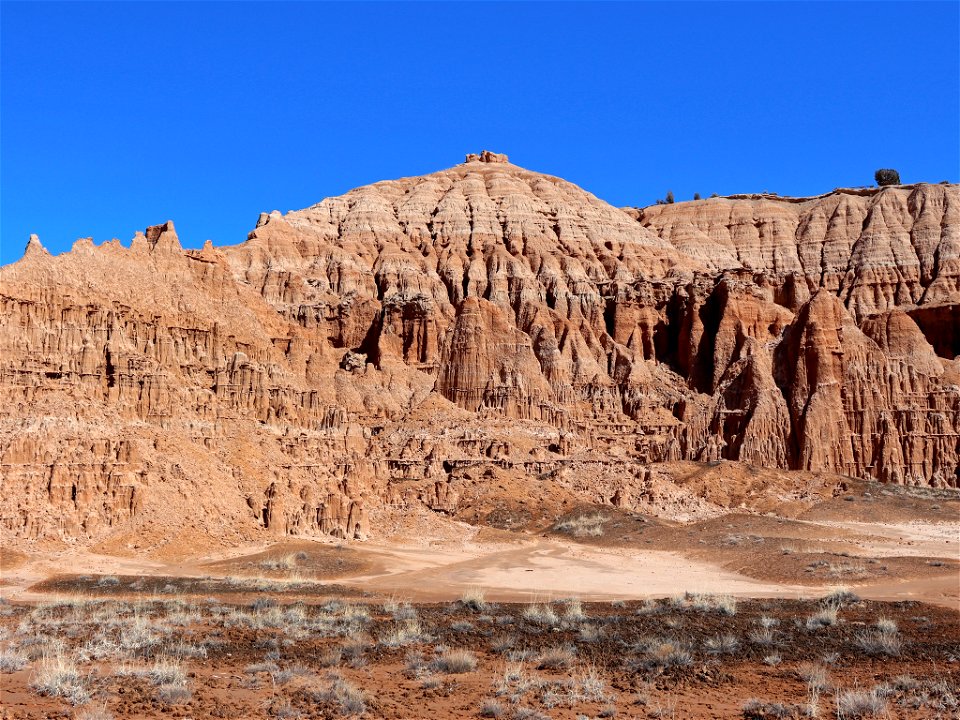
[364, 350]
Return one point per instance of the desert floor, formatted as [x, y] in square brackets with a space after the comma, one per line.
[601, 614]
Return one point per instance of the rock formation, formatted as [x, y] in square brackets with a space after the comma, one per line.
[382, 347]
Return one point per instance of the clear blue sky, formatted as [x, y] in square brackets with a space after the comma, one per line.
[116, 116]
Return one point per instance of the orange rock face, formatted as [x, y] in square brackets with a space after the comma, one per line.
[364, 351]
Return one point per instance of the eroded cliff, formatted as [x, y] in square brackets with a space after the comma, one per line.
[383, 347]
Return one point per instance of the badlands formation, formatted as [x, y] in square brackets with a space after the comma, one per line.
[424, 344]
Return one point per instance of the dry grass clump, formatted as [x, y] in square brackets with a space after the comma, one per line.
[589, 633]
[514, 682]
[285, 563]
[880, 640]
[94, 713]
[139, 636]
[541, 615]
[816, 676]
[840, 596]
[354, 649]
[574, 611]
[586, 525]
[173, 694]
[12, 660]
[263, 667]
[404, 633]
[490, 708]
[825, 617]
[58, 676]
[349, 699]
[503, 644]
[884, 624]
[649, 607]
[590, 684]
[723, 604]
[725, 644]
[754, 709]
[763, 636]
[455, 661]
[166, 671]
[854, 704]
[659, 653]
[556, 658]
[474, 599]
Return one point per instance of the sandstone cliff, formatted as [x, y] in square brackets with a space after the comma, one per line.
[377, 348]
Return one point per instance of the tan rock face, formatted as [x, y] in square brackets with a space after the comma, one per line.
[380, 347]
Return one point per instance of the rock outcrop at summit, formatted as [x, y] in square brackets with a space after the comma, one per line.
[376, 348]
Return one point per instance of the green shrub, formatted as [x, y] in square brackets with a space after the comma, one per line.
[886, 176]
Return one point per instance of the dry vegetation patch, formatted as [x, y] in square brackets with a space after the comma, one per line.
[564, 659]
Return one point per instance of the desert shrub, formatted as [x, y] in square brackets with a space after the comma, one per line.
[474, 599]
[887, 176]
[839, 596]
[589, 633]
[12, 660]
[590, 684]
[648, 607]
[853, 704]
[663, 653]
[455, 661]
[173, 694]
[330, 657]
[723, 604]
[763, 636]
[669, 198]
[403, 634]
[904, 682]
[584, 525]
[725, 644]
[168, 672]
[491, 709]
[541, 615]
[885, 625]
[350, 699]
[696, 196]
[503, 643]
[754, 709]
[880, 642]
[287, 563]
[514, 682]
[556, 658]
[94, 713]
[825, 617]
[574, 611]
[58, 676]
[816, 676]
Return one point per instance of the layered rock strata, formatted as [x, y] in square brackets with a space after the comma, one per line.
[369, 350]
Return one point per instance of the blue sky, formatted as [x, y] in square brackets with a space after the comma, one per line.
[116, 116]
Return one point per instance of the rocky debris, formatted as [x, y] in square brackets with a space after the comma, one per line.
[481, 325]
[487, 157]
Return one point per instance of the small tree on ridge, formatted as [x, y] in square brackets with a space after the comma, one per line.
[886, 176]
